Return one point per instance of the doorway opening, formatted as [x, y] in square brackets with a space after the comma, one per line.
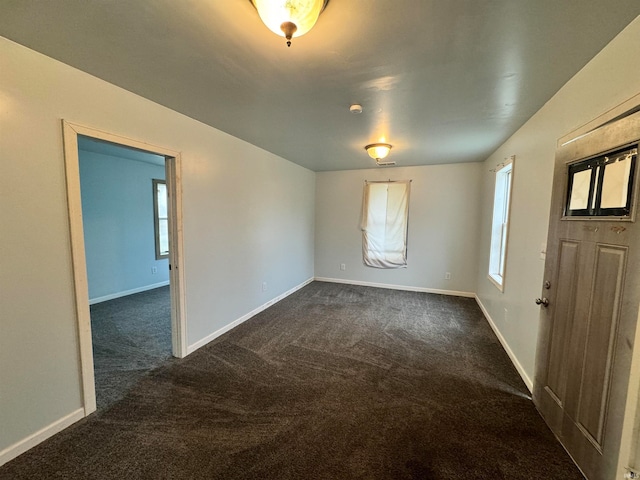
[129, 300]
[128, 280]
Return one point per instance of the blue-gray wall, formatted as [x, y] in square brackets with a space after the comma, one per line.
[117, 210]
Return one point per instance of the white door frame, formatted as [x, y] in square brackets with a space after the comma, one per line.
[176, 257]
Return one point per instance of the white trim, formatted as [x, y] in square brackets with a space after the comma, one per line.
[495, 282]
[173, 176]
[516, 363]
[79, 263]
[112, 296]
[599, 121]
[200, 343]
[454, 293]
[40, 436]
[630, 444]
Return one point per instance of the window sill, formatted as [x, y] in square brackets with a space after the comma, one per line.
[498, 281]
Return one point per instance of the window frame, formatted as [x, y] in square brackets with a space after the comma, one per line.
[371, 227]
[156, 219]
[598, 166]
[500, 222]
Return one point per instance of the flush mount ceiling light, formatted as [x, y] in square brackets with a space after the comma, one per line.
[378, 151]
[289, 18]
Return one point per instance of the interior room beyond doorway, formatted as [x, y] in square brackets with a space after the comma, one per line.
[128, 281]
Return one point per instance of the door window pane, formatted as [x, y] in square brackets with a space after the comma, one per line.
[580, 190]
[615, 186]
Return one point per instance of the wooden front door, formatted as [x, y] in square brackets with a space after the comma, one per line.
[589, 302]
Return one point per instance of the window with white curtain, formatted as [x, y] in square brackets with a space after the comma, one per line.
[500, 223]
[385, 220]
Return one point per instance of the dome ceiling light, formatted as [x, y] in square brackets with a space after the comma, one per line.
[379, 151]
[289, 18]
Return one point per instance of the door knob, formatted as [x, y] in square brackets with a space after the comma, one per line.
[542, 301]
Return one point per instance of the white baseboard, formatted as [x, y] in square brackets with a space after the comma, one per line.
[397, 287]
[40, 436]
[127, 292]
[200, 343]
[505, 345]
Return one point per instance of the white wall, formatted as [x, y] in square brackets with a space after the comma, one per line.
[443, 226]
[117, 215]
[612, 77]
[248, 218]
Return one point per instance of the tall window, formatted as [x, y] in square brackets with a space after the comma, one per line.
[161, 220]
[500, 224]
[385, 219]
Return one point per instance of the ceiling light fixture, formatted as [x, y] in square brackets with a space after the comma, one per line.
[378, 151]
[289, 18]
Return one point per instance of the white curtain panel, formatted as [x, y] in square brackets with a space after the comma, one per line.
[385, 218]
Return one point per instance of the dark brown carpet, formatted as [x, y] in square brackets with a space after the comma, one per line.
[131, 335]
[334, 382]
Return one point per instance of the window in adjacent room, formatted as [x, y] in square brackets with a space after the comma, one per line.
[161, 220]
[385, 219]
[500, 223]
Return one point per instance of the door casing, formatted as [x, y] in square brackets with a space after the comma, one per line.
[176, 257]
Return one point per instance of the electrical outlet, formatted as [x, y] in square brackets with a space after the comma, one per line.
[154, 270]
[447, 276]
[343, 266]
[506, 315]
[264, 286]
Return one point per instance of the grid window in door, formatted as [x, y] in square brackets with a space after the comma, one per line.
[602, 186]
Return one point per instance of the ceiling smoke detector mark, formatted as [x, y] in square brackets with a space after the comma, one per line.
[355, 109]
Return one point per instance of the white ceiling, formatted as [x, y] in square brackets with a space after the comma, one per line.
[442, 80]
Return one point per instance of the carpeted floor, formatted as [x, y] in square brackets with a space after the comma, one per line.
[333, 382]
[131, 335]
